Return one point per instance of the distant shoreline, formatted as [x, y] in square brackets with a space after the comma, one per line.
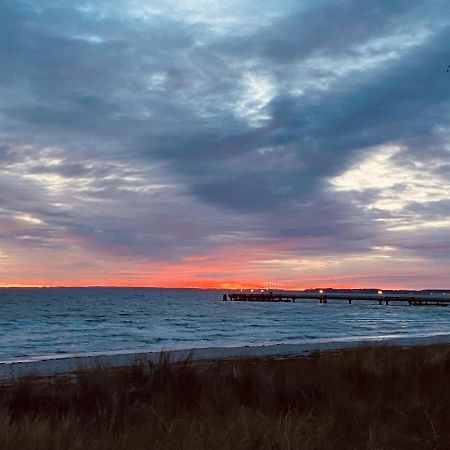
[228, 289]
[60, 364]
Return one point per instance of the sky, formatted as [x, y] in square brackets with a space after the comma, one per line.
[225, 143]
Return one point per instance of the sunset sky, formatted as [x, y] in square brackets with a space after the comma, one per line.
[225, 143]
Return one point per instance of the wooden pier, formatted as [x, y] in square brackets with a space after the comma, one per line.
[323, 297]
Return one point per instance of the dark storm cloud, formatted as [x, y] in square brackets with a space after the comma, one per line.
[331, 28]
[400, 101]
[120, 103]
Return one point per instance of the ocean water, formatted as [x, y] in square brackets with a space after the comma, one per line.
[60, 321]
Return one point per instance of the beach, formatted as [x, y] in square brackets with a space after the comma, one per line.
[176, 369]
[377, 397]
[224, 225]
[55, 330]
[44, 365]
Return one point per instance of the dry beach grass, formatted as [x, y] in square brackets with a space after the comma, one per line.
[372, 398]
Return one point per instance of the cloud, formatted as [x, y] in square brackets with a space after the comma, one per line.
[173, 131]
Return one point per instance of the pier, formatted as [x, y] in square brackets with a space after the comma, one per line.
[323, 297]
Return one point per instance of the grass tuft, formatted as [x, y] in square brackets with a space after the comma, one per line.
[373, 398]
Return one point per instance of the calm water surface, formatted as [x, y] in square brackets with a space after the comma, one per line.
[36, 322]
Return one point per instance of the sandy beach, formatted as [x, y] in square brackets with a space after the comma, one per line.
[60, 364]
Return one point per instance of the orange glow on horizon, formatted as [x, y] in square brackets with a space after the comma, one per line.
[187, 284]
[233, 267]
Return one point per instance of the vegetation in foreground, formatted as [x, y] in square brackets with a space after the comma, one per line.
[378, 398]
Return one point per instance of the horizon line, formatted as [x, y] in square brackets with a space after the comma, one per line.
[68, 286]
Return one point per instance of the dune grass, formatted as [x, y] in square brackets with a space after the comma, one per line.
[376, 398]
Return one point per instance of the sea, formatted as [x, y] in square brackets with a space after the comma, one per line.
[66, 321]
